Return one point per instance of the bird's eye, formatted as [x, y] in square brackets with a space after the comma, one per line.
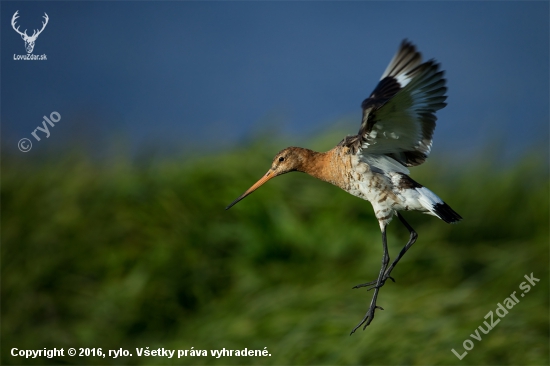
[282, 158]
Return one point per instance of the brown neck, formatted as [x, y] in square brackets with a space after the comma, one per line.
[324, 166]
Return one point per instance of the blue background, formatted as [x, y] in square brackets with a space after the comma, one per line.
[210, 75]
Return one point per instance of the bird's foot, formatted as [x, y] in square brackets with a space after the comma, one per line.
[369, 316]
[372, 284]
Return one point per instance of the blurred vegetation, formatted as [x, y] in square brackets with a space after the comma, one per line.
[142, 254]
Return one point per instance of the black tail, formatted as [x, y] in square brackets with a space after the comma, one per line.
[446, 213]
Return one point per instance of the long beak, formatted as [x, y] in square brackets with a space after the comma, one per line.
[270, 174]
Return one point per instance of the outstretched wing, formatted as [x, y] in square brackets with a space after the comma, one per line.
[399, 116]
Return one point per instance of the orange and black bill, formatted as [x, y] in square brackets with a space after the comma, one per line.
[256, 185]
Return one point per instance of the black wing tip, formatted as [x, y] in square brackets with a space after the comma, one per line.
[446, 213]
[431, 64]
[384, 91]
[406, 43]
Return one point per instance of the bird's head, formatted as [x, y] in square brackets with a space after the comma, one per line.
[287, 160]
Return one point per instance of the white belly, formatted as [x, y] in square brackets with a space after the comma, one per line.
[386, 199]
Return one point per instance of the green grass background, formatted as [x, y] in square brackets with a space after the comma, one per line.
[125, 254]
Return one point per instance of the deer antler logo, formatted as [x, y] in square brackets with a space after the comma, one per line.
[29, 41]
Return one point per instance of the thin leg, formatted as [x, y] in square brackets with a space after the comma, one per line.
[412, 240]
[369, 316]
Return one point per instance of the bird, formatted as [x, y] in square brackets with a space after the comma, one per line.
[396, 132]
